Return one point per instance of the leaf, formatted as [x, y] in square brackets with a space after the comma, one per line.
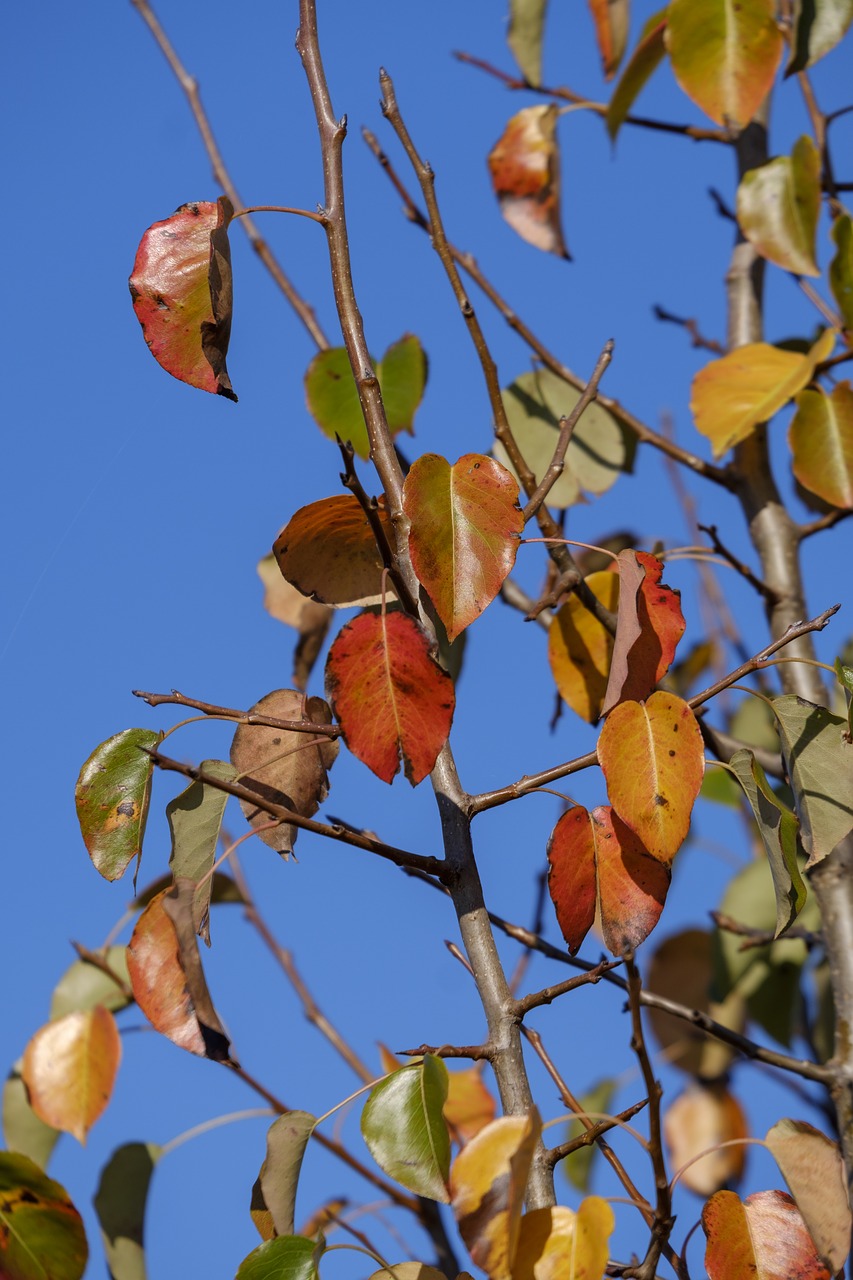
[841, 267]
[778, 206]
[161, 984]
[328, 552]
[469, 1106]
[724, 55]
[643, 62]
[405, 1131]
[120, 1205]
[594, 1103]
[70, 1067]
[112, 796]
[310, 619]
[695, 1124]
[653, 760]
[611, 20]
[732, 395]
[844, 677]
[580, 649]
[84, 985]
[813, 1169]
[23, 1131]
[595, 861]
[41, 1232]
[487, 1185]
[558, 1244]
[649, 626]
[778, 829]
[598, 451]
[392, 698]
[182, 290]
[285, 1258]
[464, 532]
[820, 438]
[760, 1238]
[525, 168]
[681, 969]
[819, 760]
[333, 400]
[526, 27]
[818, 26]
[287, 1138]
[408, 1271]
[282, 765]
[195, 820]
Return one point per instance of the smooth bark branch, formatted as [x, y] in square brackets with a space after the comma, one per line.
[177, 699]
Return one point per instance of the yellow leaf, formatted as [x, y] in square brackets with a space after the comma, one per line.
[580, 649]
[559, 1244]
[469, 1106]
[724, 55]
[821, 442]
[70, 1068]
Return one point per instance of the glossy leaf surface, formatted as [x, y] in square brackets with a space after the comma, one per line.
[308, 618]
[778, 829]
[648, 54]
[695, 1124]
[560, 1244]
[70, 1067]
[120, 1202]
[195, 821]
[841, 268]
[287, 1138]
[813, 1168]
[819, 760]
[761, 1238]
[580, 648]
[41, 1232]
[611, 20]
[285, 1258]
[112, 796]
[596, 862]
[405, 1129]
[821, 442]
[648, 628]
[732, 395]
[525, 168]
[653, 760]
[819, 25]
[724, 55]
[778, 207]
[393, 700]
[328, 551]
[332, 395]
[526, 27]
[465, 527]
[182, 294]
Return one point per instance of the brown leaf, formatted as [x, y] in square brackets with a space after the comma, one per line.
[649, 626]
[70, 1067]
[611, 18]
[699, 1119]
[525, 169]
[813, 1168]
[308, 617]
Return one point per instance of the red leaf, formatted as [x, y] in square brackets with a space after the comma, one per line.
[525, 168]
[649, 626]
[182, 293]
[761, 1238]
[653, 759]
[392, 698]
[596, 860]
[465, 527]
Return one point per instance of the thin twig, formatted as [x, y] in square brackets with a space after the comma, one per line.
[823, 522]
[99, 961]
[474, 1052]
[368, 505]
[591, 1136]
[691, 327]
[239, 717]
[763, 937]
[548, 994]
[743, 569]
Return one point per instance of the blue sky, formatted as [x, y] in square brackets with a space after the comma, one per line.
[135, 510]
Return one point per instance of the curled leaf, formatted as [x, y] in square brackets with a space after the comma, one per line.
[275, 1190]
[819, 760]
[818, 25]
[525, 168]
[308, 618]
[646, 58]
[648, 628]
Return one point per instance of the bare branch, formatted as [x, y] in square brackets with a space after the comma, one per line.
[692, 328]
[548, 994]
[474, 1052]
[743, 569]
[591, 1136]
[368, 505]
[239, 717]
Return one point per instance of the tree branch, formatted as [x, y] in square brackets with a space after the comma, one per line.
[239, 717]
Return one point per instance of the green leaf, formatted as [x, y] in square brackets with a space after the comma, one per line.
[404, 1127]
[285, 1258]
[112, 796]
[719, 787]
[578, 1165]
[844, 676]
[819, 760]
[821, 441]
[778, 206]
[84, 985]
[41, 1232]
[818, 27]
[598, 451]
[195, 820]
[24, 1131]
[778, 829]
[333, 396]
[287, 1138]
[841, 267]
[644, 61]
[526, 26]
[120, 1205]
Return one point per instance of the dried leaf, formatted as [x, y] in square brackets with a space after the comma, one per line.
[112, 796]
[525, 168]
[464, 532]
[611, 20]
[328, 552]
[820, 438]
[644, 61]
[182, 293]
[580, 648]
[70, 1067]
[778, 206]
[39, 1226]
[526, 27]
[649, 626]
[819, 760]
[760, 1238]
[559, 1244]
[813, 1168]
[310, 619]
[694, 1124]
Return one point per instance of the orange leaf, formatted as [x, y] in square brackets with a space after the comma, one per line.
[182, 292]
[653, 759]
[580, 649]
[392, 698]
[487, 1184]
[761, 1238]
[559, 1244]
[70, 1067]
[469, 1106]
[649, 626]
[525, 169]
[465, 527]
[699, 1119]
[328, 552]
[732, 395]
[611, 32]
[596, 861]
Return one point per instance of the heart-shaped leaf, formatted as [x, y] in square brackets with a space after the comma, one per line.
[182, 293]
[41, 1232]
[393, 700]
[112, 796]
[580, 648]
[465, 527]
[611, 20]
[70, 1067]
[760, 1238]
[560, 1244]
[328, 551]
[120, 1205]
[819, 760]
[643, 62]
[778, 206]
[525, 168]
[813, 1168]
[405, 1130]
[821, 441]
[649, 626]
